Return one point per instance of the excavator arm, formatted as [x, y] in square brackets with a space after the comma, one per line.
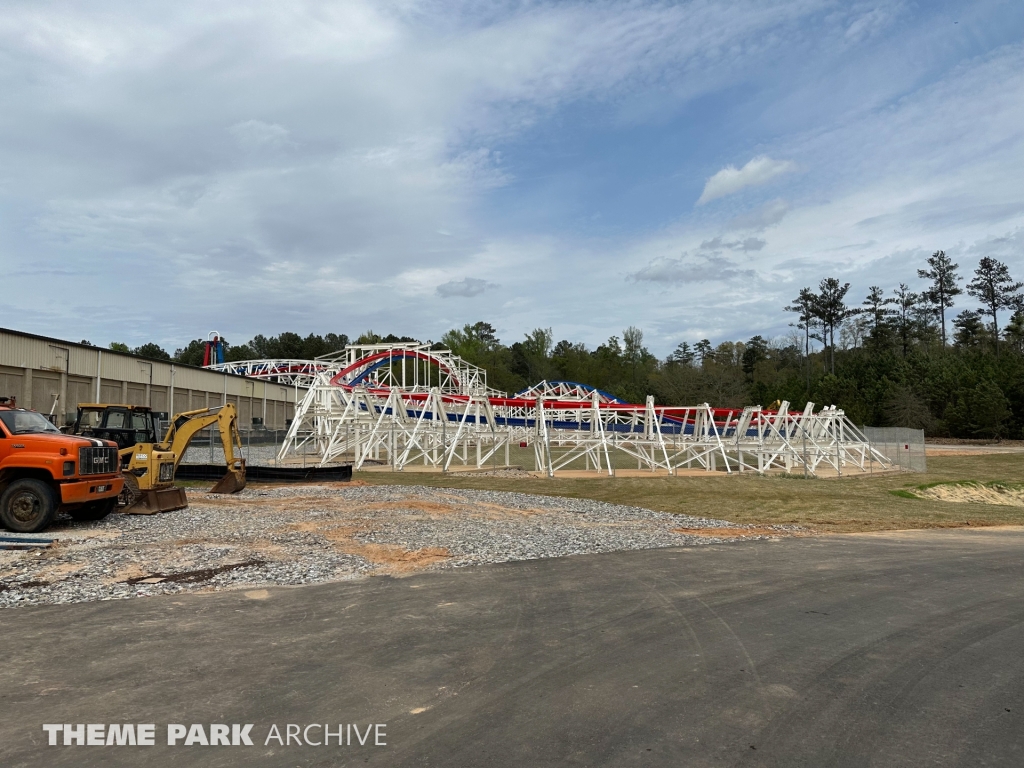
[188, 424]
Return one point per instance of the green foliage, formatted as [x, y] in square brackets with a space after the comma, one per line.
[152, 352]
[979, 412]
[995, 289]
[117, 346]
[191, 354]
[478, 344]
[1014, 332]
[943, 289]
[288, 346]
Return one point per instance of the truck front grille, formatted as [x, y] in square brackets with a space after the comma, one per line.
[97, 461]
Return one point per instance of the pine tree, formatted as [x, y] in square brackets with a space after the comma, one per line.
[803, 305]
[944, 285]
[876, 307]
[682, 354]
[1014, 332]
[831, 309]
[994, 288]
[703, 350]
[905, 303]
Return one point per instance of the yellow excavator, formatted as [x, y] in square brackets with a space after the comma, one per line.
[148, 465]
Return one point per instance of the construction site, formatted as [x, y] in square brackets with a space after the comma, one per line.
[220, 493]
[281, 499]
[401, 408]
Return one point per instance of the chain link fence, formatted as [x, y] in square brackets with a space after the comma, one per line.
[259, 448]
[903, 447]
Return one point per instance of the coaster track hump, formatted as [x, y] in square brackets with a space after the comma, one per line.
[407, 404]
[296, 372]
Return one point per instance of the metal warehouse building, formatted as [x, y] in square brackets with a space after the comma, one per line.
[53, 376]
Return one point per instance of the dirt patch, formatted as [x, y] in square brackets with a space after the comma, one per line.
[974, 441]
[396, 559]
[973, 493]
[413, 503]
[390, 558]
[125, 575]
[987, 450]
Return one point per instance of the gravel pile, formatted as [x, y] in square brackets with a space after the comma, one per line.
[308, 534]
[263, 455]
[507, 472]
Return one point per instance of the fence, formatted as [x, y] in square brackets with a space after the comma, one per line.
[904, 447]
[259, 448]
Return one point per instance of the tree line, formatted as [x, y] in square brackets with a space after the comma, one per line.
[899, 357]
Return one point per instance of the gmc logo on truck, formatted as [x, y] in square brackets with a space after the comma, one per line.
[95, 461]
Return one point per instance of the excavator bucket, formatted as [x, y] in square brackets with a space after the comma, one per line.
[148, 501]
[156, 500]
[233, 481]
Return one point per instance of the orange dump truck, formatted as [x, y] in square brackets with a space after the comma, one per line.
[43, 471]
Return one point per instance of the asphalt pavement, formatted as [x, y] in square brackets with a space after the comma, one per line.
[902, 649]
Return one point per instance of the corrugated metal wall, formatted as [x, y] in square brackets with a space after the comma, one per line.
[37, 370]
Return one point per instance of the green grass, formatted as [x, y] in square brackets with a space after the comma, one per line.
[902, 494]
[849, 504]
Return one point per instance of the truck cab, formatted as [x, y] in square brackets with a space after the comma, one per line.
[43, 472]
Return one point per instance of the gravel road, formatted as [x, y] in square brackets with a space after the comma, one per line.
[314, 533]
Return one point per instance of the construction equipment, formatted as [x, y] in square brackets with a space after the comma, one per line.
[186, 425]
[43, 472]
[148, 465]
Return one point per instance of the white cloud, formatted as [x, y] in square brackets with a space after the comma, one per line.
[690, 270]
[746, 244]
[731, 179]
[762, 217]
[256, 134]
[344, 162]
[871, 22]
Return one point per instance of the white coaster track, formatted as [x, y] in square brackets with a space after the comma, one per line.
[405, 404]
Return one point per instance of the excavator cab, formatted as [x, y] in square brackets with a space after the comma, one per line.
[126, 425]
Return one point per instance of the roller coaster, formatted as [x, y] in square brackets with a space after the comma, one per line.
[408, 404]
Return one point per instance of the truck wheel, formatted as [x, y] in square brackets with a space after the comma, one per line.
[94, 510]
[27, 506]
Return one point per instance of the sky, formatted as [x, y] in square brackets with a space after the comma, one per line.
[171, 169]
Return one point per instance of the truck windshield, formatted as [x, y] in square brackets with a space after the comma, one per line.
[26, 422]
